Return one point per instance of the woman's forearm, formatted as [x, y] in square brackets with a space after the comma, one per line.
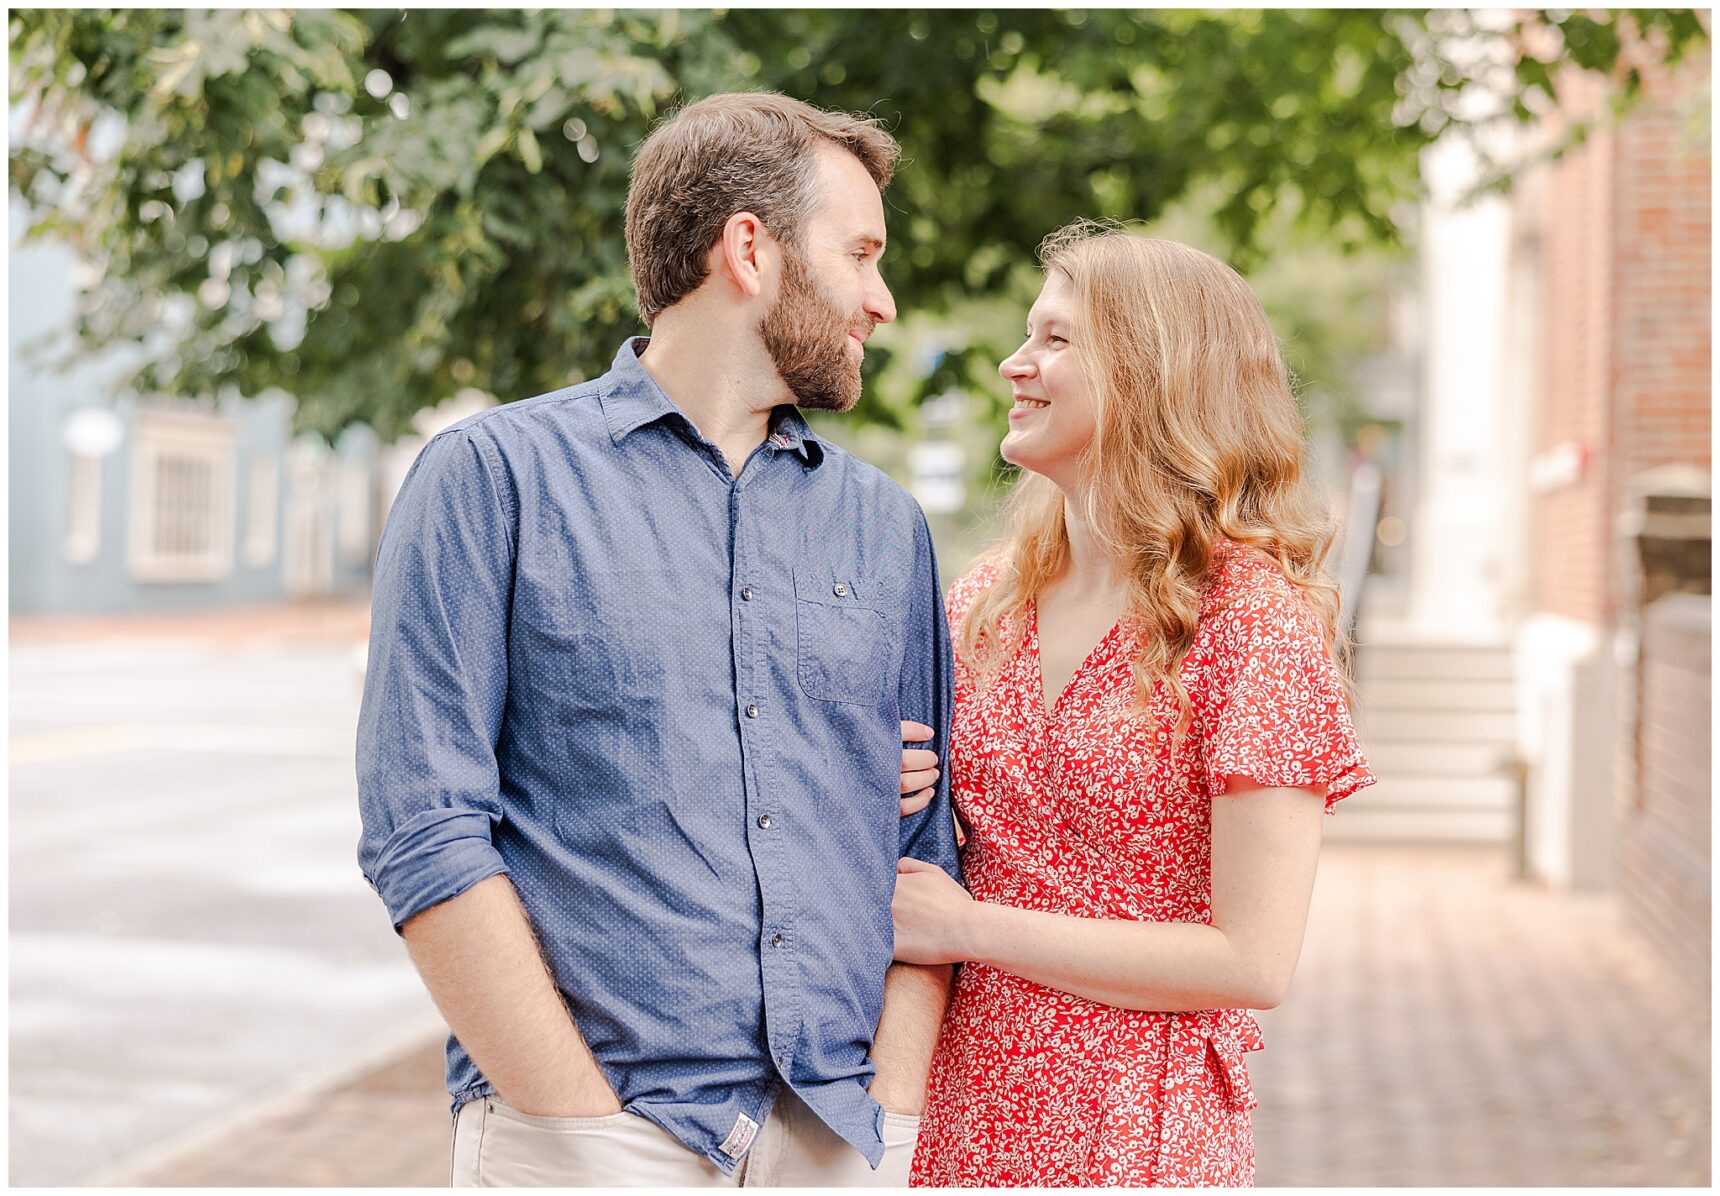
[1162, 966]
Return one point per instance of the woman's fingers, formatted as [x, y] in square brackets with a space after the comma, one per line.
[913, 782]
[919, 769]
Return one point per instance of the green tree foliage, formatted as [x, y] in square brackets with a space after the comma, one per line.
[375, 209]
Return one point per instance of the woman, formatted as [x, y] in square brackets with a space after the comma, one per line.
[1148, 726]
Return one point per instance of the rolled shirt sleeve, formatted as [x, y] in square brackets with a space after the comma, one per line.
[436, 681]
[927, 696]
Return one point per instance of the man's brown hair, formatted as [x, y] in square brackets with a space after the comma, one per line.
[738, 152]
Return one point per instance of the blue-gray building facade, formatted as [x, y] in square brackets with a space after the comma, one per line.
[135, 504]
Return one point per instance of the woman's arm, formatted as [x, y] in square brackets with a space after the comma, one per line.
[1265, 844]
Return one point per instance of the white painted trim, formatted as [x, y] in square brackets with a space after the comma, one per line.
[83, 542]
[1567, 686]
[207, 554]
[262, 510]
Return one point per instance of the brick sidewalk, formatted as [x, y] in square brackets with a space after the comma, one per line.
[1447, 1028]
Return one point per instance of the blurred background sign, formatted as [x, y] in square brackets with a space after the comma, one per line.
[936, 469]
[92, 432]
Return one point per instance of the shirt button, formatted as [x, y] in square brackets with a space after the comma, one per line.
[841, 589]
[752, 710]
[776, 939]
[746, 593]
[764, 822]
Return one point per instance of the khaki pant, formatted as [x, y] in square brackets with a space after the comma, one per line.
[496, 1146]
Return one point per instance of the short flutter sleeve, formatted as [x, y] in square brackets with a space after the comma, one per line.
[1274, 705]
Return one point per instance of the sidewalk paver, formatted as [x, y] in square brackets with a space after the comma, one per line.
[1448, 1027]
[1451, 1027]
[390, 1128]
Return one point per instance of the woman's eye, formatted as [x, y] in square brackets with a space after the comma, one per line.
[1055, 340]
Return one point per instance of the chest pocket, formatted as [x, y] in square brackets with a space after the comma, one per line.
[842, 638]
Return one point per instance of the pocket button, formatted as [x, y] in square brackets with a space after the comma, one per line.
[840, 589]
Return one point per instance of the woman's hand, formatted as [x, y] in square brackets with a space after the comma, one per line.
[919, 769]
[932, 913]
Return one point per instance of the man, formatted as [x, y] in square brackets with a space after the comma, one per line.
[629, 748]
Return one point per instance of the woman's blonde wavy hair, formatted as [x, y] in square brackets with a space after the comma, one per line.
[1197, 439]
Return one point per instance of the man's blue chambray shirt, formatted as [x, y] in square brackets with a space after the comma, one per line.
[665, 702]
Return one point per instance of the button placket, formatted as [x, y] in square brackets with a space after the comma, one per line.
[783, 998]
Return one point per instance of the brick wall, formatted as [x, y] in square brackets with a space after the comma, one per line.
[1661, 406]
[1664, 853]
[1625, 308]
[1622, 231]
[1574, 211]
[1662, 349]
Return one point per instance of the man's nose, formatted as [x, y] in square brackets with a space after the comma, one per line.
[880, 304]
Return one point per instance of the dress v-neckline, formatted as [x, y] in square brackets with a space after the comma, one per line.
[1047, 705]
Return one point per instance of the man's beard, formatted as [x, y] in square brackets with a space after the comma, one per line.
[806, 336]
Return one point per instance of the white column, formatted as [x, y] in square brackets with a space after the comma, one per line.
[1459, 536]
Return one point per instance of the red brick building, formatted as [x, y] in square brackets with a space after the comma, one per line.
[1617, 234]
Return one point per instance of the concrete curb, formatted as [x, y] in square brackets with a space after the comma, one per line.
[131, 1171]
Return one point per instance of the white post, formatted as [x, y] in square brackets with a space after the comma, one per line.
[1459, 538]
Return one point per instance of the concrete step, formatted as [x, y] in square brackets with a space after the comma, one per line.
[1435, 693]
[1397, 758]
[1437, 717]
[1474, 727]
[1421, 661]
[1378, 628]
[1423, 808]
[1438, 794]
[1419, 826]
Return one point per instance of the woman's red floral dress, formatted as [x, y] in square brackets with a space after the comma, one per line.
[1076, 812]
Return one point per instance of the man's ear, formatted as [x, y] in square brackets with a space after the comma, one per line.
[746, 254]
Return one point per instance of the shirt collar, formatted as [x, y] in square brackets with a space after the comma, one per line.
[631, 399]
[789, 430]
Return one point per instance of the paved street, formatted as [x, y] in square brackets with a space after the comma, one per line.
[1447, 1028]
[190, 935]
